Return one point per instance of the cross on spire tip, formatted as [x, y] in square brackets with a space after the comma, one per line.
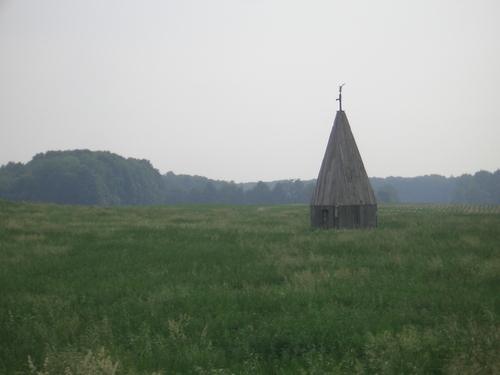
[340, 97]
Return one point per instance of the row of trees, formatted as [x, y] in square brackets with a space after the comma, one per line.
[82, 177]
[481, 188]
[102, 178]
[423, 189]
[196, 189]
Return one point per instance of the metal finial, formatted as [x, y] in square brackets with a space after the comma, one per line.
[340, 96]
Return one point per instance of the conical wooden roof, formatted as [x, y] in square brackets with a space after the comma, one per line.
[342, 179]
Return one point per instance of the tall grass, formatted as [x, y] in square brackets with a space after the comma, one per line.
[247, 290]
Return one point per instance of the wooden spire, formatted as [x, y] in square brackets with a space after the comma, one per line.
[342, 179]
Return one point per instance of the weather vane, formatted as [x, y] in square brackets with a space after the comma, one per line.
[340, 96]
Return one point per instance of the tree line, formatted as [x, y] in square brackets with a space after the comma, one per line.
[482, 187]
[102, 178]
[196, 189]
[82, 177]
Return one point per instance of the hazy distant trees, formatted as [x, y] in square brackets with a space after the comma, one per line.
[422, 189]
[387, 193]
[83, 177]
[481, 188]
[102, 178]
[229, 193]
[196, 189]
[260, 194]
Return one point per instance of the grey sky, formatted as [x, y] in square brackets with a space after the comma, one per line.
[245, 90]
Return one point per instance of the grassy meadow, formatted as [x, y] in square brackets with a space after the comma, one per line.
[247, 289]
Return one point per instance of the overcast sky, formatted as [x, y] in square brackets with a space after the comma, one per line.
[245, 90]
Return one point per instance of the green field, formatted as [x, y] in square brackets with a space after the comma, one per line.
[247, 290]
